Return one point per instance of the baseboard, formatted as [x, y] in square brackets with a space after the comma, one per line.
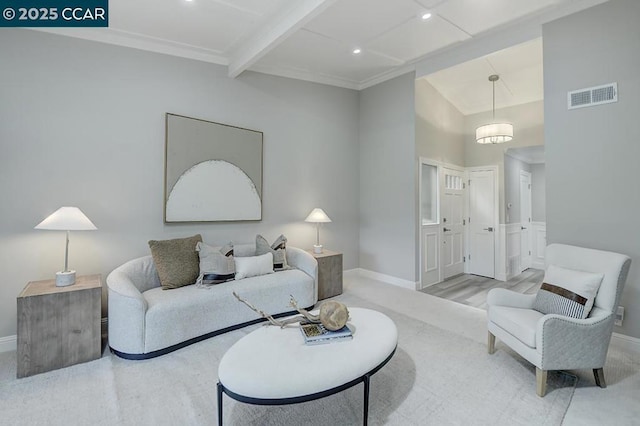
[538, 265]
[631, 344]
[8, 343]
[410, 285]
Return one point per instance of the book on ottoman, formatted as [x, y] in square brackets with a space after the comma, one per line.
[316, 334]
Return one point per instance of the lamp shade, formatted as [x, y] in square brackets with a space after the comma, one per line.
[317, 215]
[67, 219]
[494, 133]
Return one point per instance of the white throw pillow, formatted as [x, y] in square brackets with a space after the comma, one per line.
[567, 292]
[252, 266]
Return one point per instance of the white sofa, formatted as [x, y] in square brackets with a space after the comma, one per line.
[146, 321]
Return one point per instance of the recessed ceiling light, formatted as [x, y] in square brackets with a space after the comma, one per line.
[425, 16]
[357, 51]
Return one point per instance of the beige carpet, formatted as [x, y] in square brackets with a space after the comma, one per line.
[435, 377]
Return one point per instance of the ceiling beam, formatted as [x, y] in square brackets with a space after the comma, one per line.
[275, 32]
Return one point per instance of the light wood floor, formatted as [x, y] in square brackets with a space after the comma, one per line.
[472, 289]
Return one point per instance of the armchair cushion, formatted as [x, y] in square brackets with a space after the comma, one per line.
[567, 292]
[520, 323]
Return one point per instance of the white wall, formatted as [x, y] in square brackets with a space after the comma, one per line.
[388, 179]
[512, 169]
[593, 153]
[82, 123]
[538, 193]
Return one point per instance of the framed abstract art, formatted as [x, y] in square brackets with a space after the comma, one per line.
[213, 171]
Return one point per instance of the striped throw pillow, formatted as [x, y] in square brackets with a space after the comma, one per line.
[216, 264]
[567, 292]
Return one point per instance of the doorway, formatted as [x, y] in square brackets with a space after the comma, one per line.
[442, 221]
[483, 219]
[525, 220]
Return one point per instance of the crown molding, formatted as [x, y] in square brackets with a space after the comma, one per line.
[141, 42]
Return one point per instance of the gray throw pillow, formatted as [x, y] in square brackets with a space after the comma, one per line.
[176, 261]
[278, 249]
[216, 264]
[567, 292]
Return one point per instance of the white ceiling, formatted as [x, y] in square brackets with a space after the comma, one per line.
[468, 88]
[314, 39]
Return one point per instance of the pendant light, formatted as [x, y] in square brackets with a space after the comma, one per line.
[494, 132]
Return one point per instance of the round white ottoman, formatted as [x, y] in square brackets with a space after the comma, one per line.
[273, 366]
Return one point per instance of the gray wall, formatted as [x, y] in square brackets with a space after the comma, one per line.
[592, 153]
[82, 123]
[439, 126]
[538, 197]
[388, 178]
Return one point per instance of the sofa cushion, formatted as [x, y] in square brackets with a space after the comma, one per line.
[521, 323]
[567, 292]
[176, 261]
[216, 264]
[278, 249]
[253, 266]
[175, 316]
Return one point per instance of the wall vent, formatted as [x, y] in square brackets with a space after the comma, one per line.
[592, 96]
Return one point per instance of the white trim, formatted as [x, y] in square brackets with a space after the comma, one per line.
[141, 42]
[303, 75]
[410, 285]
[628, 343]
[8, 343]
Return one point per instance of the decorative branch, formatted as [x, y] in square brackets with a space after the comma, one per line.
[263, 314]
[312, 318]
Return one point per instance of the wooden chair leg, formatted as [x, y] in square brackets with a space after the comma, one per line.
[598, 373]
[541, 382]
[491, 343]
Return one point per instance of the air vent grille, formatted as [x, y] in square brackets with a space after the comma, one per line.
[592, 96]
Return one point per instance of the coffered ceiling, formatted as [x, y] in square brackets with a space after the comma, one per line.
[314, 40]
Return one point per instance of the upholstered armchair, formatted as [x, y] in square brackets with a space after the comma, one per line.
[556, 341]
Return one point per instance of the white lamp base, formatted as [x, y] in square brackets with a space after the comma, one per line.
[317, 249]
[65, 278]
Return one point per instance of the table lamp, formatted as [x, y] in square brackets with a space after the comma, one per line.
[317, 216]
[66, 219]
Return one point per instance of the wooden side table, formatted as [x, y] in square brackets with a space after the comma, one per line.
[329, 273]
[58, 326]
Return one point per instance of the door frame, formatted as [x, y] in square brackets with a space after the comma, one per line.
[499, 238]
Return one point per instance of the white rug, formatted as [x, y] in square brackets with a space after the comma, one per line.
[435, 377]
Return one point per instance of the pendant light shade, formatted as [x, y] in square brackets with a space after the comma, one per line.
[494, 132]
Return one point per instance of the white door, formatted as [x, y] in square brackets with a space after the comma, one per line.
[482, 222]
[452, 247]
[525, 220]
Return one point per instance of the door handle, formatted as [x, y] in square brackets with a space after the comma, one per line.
[522, 228]
[490, 229]
[446, 229]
